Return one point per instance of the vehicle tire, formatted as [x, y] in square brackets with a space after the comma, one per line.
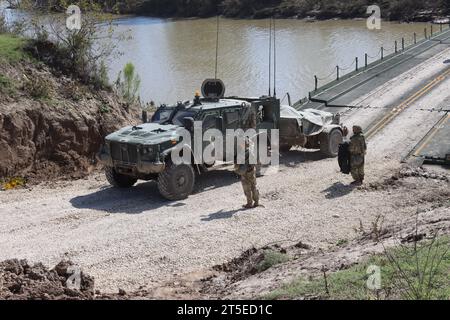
[329, 143]
[119, 180]
[176, 182]
[285, 148]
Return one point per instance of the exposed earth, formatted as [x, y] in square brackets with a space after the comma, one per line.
[52, 126]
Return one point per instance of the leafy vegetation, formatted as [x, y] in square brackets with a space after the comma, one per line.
[417, 272]
[271, 258]
[38, 88]
[7, 86]
[14, 183]
[321, 9]
[128, 87]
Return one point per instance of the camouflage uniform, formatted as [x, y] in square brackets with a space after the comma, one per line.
[249, 185]
[247, 172]
[357, 150]
[250, 119]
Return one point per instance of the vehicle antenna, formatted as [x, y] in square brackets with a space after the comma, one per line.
[274, 61]
[270, 56]
[217, 46]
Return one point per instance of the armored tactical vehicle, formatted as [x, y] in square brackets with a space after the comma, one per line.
[144, 152]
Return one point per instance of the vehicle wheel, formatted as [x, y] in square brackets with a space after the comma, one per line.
[176, 182]
[329, 143]
[285, 148]
[119, 180]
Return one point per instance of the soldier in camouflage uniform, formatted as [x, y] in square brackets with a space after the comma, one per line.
[247, 172]
[358, 149]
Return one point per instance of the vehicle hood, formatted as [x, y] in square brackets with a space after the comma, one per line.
[146, 134]
[312, 121]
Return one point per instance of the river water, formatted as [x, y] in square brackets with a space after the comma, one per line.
[174, 57]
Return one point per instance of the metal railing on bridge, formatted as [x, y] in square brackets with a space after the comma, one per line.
[337, 75]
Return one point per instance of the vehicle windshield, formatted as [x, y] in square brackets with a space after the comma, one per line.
[162, 114]
[180, 115]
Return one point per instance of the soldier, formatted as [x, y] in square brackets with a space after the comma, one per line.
[247, 173]
[358, 149]
[250, 118]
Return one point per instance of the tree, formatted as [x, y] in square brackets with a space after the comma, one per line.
[82, 52]
[128, 87]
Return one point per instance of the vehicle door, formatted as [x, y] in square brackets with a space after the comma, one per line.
[231, 122]
[210, 120]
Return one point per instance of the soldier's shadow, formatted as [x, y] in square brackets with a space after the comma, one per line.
[338, 190]
[219, 215]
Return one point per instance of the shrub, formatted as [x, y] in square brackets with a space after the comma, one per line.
[14, 183]
[128, 87]
[271, 258]
[38, 88]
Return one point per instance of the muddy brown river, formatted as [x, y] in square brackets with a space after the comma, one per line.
[174, 57]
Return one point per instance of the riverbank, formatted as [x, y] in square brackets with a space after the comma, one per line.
[397, 10]
[51, 124]
[404, 10]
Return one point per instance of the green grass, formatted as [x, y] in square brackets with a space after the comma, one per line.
[406, 273]
[11, 48]
[7, 86]
[271, 258]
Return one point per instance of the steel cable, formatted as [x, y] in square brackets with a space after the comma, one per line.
[349, 67]
[328, 76]
[376, 56]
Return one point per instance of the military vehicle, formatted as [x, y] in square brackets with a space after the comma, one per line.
[144, 152]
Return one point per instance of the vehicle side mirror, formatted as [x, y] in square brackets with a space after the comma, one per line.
[219, 123]
[188, 123]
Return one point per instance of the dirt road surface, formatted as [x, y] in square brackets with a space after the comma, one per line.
[132, 238]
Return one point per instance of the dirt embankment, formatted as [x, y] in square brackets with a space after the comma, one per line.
[20, 280]
[51, 125]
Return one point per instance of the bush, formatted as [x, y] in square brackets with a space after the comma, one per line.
[38, 88]
[271, 258]
[6, 85]
[128, 87]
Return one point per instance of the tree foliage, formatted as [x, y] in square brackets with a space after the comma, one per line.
[128, 84]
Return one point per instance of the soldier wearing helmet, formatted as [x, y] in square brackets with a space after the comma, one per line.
[358, 149]
[247, 173]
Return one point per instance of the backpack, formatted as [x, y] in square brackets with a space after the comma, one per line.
[344, 157]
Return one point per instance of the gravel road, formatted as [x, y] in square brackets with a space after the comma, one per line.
[132, 238]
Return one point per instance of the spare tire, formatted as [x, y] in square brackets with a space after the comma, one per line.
[344, 158]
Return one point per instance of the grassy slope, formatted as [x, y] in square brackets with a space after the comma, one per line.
[407, 274]
[11, 51]
[11, 48]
